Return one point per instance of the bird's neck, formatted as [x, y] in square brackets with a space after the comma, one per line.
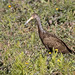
[40, 29]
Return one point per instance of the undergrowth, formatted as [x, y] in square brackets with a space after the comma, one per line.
[21, 50]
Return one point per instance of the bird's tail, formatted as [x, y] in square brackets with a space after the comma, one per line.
[72, 51]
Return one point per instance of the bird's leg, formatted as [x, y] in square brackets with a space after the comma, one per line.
[48, 50]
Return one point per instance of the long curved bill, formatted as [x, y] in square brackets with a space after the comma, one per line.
[28, 20]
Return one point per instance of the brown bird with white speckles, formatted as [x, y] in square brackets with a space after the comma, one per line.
[49, 40]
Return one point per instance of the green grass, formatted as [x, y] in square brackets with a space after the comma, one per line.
[21, 50]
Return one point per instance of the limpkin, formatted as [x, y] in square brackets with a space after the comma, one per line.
[49, 40]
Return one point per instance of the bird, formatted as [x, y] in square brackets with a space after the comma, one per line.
[49, 40]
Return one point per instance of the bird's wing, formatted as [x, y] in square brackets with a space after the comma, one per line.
[52, 41]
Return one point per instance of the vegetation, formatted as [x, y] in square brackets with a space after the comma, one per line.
[21, 50]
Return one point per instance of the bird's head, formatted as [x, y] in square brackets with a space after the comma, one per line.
[32, 17]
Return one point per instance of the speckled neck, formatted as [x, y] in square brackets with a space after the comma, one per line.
[40, 29]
